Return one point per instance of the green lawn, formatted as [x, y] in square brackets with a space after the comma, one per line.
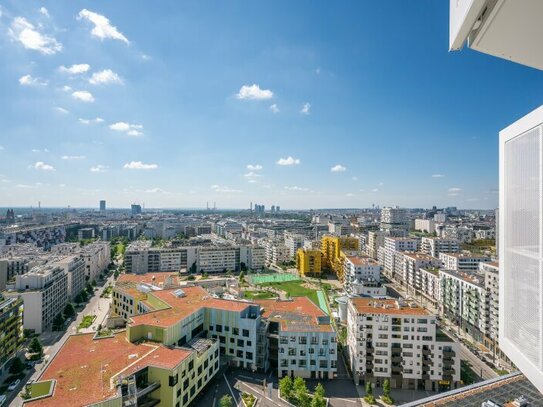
[87, 321]
[258, 295]
[39, 389]
[295, 289]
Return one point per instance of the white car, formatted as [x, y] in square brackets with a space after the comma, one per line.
[14, 385]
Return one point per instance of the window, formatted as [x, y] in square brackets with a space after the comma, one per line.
[235, 331]
[173, 380]
[246, 332]
[218, 328]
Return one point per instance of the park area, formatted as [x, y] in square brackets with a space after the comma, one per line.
[291, 284]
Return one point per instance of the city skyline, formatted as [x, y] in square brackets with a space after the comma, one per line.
[99, 103]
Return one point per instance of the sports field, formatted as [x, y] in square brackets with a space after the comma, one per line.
[258, 279]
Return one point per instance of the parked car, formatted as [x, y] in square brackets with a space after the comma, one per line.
[14, 385]
[3, 399]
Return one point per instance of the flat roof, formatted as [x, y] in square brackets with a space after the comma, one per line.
[362, 261]
[85, 368]
[180, 307]
[298, 314]
[366, 305]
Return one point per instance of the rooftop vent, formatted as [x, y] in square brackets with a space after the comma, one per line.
[179, 293]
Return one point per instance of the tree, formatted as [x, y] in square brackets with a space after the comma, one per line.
[369, 389]
[78, 299]
[69, 310]
[304, 400]
[57, 322]
[192, 269]
[90, 289]
[16, 366]
[84, 295]
[241, 277]
[35, 346]
[226, 401]
[243, 266]
[318, 401]
[386, 387]
[319, 391]
[286, 387]
[300, 391]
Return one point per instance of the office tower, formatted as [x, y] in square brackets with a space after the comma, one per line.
[135, 209]
[102, 205]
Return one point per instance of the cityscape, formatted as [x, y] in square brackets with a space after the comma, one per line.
[276, 245]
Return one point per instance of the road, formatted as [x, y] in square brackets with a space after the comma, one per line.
[53, 341]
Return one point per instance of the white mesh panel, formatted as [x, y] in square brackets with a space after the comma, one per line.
[522, 280]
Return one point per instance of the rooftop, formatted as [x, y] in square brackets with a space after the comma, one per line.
[362, 261]
[501, 390]
[191, 300]
[299, 314]
[85, 368]
[365, 305]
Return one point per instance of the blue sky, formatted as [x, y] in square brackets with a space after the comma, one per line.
[354, 103]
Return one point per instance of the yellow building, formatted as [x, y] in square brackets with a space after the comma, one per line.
[308, 262]
[332, 247]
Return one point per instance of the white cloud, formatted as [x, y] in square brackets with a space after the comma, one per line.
[102, 28]
[437, 175]
[73, 157]
[138, 165]
[24, 186]
[297, 189]
[44, 11]
[83, 96]
[156, 191]
[66, 88]
[89, 121]
[24, 32]
[105, 77]
[254, 92]
[375, 190]
[29, 80]
[288, 161]
[35, 150]
[61, 110]
[455, 191]
[306, 108]
[274, 108]
[40, 165]
[74, 69]
[254, 167]
[252, 175]
[99, 168]
[130, 129]
[224, 189]
[338, 168]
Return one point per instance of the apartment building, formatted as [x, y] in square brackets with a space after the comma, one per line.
[491, 306]
[332, 247]
[407, 267]
[44, 236]
[425, 225]
[430, 284]
[96, 255]
[74, 267]
[435, 245]
[391, 339]
[462, 262]
[299, 338]
[462, 300]
[309, 262]
[11, 326]
[113, 371]
[376, 240]
[293, 241]
[13, 266]
[44, 290]
[362, 275]
[276, 252]
[393, 245]
[394, 221]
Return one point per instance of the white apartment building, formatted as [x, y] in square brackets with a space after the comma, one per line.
[462, 300]
[462, 262]
[298, 335]
[74, 267]
[392, 339]
[376, 240]
[44, 291]
[293, 242]
[425, 225]
[393, 245]
[97, 256]
[430, 285]
[276, 253]
[435, 245]
[440, 217]
[407, 267]
[394, 221]
[491, 306]
[362, 274]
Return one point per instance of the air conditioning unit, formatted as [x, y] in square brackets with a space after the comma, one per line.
[509, 29]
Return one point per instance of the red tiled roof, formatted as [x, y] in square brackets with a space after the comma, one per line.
[296, 315]
[83, 367]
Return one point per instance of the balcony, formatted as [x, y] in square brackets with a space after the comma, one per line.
[146, 389]
[449, 354]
